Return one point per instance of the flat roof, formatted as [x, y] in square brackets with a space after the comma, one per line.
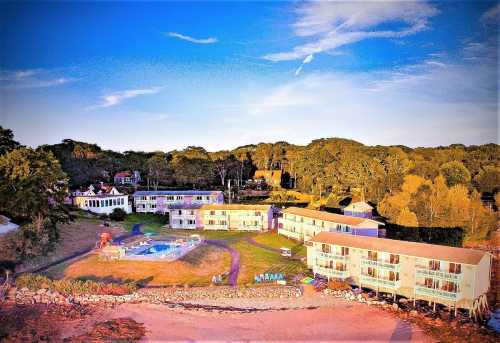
[242, 207]
[186, 192]
[424, 250]
[327, 216]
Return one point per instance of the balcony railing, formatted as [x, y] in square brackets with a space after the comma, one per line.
[383, 264]
[332, 256]
[437, 274]
[330, 272]
[295, 235]
[374, 281]
[438, 293]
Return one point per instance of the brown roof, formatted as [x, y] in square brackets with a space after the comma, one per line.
[326, 216]
[236, 207]
[431, 251]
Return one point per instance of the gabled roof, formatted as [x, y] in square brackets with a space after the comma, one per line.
[423, 250]
[327, 216]
[358, 207]
[187, 192]
[123, 174]
[236, 207]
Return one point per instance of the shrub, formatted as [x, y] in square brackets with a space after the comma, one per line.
[118, 214]
[103, 216]
[74, 287]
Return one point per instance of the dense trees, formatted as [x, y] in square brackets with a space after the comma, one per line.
[32, 191]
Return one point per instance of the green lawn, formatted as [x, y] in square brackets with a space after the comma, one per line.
[276, 241]
[151, 223]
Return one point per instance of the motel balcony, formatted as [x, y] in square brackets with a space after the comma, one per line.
[331, 272]
[375, 281]
[436, 274]
[437, 293]
[294, 235]
[331, 256]
[382, 264]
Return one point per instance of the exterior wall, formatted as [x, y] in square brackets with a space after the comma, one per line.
[367, 215]
[242, 220]
[409, 274]
[161, 203]
[84, 202]
[185, 219]
[303, 228]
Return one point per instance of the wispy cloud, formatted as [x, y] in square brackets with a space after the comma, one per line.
[491, 15]
[117, 98]
[306, 60]
[329, 25]
[31, 78]
[209, 40]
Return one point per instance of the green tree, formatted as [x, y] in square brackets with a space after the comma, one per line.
[7, 142]
[488, 179]
[157, 169]
[455, 173]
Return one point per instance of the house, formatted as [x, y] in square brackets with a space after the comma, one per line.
[237, 217]
[302, 224]
[359, 209]
[103, 202]
[185, 216]
[161, 201]
[127, 178]
[455, 277]
[270, 177]
[6, 225]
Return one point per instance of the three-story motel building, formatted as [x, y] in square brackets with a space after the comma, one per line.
[455, 277]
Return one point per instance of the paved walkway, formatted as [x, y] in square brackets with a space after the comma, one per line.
[235, 260]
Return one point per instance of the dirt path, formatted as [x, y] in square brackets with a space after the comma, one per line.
[235, 260]
[341, 321]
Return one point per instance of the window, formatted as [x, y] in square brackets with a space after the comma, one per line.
[372, 255]
[429, 282]
[257, 213]
[114, 202]
[223, 222]
[341, 266]
[455, 268]
[97, 203]
[314, 222]
[394, 259]
[179, 212]
[344, 251]
[191, 212]
[180, 221]
[325, 248]
[170, 197]
[211, 222]
[86, 203]
[199, 197]
[434, 265]
[143, 197]
[153, 205]
[393, 276]
[223, 213]
[322, 224]
[450, 286]
[179, 197]
[372, 272]
[122, 201]
[212, 213]
[191, 222]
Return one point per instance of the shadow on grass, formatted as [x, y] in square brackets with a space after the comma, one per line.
[110, 279]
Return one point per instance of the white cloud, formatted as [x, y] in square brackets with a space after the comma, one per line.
[491, 15]
[117, 98]
[306, 60]
[209, 40]
[329, 25]
[31, 78]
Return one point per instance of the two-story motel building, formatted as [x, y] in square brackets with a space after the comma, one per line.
[161, 201]
[302, 224]
[455, 277]
[237, 217]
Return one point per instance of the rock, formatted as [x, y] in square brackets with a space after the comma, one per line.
[395, 307]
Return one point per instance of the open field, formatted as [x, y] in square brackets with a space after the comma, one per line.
[194, 269]
[151, 223]
[276, 241]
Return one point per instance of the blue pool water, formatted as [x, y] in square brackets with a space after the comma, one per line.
[158, 248]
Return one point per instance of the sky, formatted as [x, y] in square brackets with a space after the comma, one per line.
[162, 76]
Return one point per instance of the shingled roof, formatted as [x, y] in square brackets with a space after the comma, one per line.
[327, 216]
[424, 250]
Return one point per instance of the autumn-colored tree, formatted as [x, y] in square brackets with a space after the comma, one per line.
[407, 218]
[455, 173]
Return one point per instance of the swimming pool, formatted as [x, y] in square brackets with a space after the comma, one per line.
[161, 250]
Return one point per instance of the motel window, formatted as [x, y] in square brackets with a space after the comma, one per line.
[394, 259]
[372, 255]
[179, 197]
[455, 268]
[86, 203]
[153, 205]
[393, 276]
[212, 213]
[153, 197]
[191, 222]
[257, 213]
[434, 265]
[170, 197]
[114, 202]
[325, 248]
[223, 222]
[143, 198]
[372, 272]
[344, 251]
[223, 213]
[97, 203]
[207, 198]
[301, 219]
[199, 197]
[180, 221]
[179, 212]
[191, 212]
[429, 282]
[314, 222]
[322, 224]
[450, 286]
[211, 222]
[122, 201]
[341, 266]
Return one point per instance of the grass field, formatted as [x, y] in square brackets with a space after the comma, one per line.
[276, 241]
[194, 269]
[151, 223]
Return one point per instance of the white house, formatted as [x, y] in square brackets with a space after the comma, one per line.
[102, 202]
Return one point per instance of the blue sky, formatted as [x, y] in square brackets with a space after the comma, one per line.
[162, 76]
